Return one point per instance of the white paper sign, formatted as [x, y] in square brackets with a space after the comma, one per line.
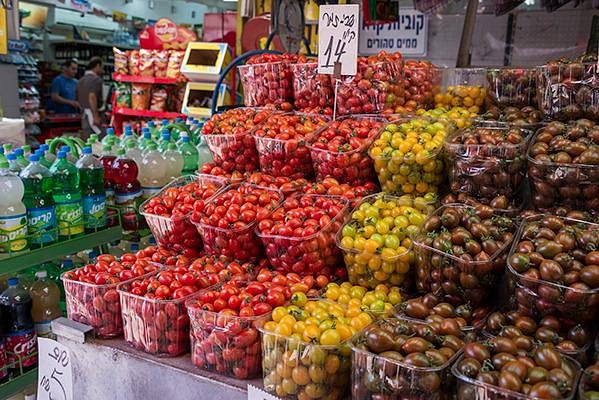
[409, 35]
[55, 373]
[257, 394]
[338, 38]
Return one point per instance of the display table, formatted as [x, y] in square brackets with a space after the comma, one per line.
[111, 369]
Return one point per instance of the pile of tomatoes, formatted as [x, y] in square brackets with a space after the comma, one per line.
[471, 97]
[378, 302]
[299, 236]
[312, 91]
[340, 150]
[422, 80]
[229, 140]
[280, 142]
[459, 116]
[227, 222]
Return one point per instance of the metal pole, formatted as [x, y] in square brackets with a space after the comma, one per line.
[467, 32]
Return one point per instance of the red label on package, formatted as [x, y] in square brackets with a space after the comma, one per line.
[3, 360]
[23, 344]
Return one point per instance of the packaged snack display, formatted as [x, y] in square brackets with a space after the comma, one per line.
[146, 62]
[463, 87]
[161, 60]
[140, 96]
[159, 98]
[547, 279]
[512, 86]
[122, 93]
[175, 60]
[312, 90]
[134, 62]
[121, 61]
[423, 82]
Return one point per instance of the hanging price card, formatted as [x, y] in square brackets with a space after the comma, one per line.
[55, 373]
[338, 38]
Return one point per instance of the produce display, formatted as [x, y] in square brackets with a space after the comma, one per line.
[378, 302]
[526, 117]
[512, 86]
[588, 388]
[423, 81]
[562, 166]
[331, 186]
[500, 204]
[312, 91]
[463, 87]
[458, 116]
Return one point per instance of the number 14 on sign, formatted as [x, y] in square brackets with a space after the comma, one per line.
[338, 38]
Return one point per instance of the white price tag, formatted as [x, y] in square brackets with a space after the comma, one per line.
[338, 38]
[258, 394]
[55, 373]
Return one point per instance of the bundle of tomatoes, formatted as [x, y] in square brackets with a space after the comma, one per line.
[167, 212]
[312, 91]
[423, 81]
[227, 222]
[340, 150]
[300, 235]
[154, 314]
[229, 140]
[281, 144]
[91, 294]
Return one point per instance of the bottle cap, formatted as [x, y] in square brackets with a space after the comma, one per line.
[41, 274]
[150, 124]
[128, 128]
[18, 152]
[11, 156]
[134, 246]
[178, 119]
[165, 122]
[66, 149]
[62, 154]
[39, 152]
[185, 139]
[110, 131]
[147, 135]
[68, 263]
[87, 150]
[145, 129]
[44, 147]
[1, 150]
[34, 157]
[13, 281]
[93, 254]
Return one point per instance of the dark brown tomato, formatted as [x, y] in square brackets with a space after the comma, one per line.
[536, 375]
[553, 223]
[490, 377]
[525, 246]
[547, 335]
[547, 357]
[550, 321]
[490, 246]
[545, 233]
[550, 249]
[479, 231]
[450, 326]
[551, 271]
[416, 345]
[496, 321]
[518, 368]
[416, 309]
[429, 382]
[447, 352]
[566, 346]
[590, 275]
[435, 357]
[535, 258]
[472, 247]
[526, 360]
[510, 381]
[500, 359]
[564, 259]
[544, 390]
[432, 224]
[445, 310]
[561, 380]
[566, 239]
[453, 342]
[510, 331]
[417, 360]
[571, 277]
[469, 367]
[527, 325]
[592, 258]
[579, 335]
[450, 218]
[525, 343]
[478, 351]
[503, 345]
[430, 300]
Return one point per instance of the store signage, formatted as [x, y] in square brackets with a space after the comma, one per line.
[3, 32]
[338, 39]
[165, 35]
[55, 372]
[18, 45]
[81, 5]
[257, 394]
[409, 35]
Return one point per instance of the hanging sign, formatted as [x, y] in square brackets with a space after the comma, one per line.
[55, 372]
[338, 38]
[409, 35]
[165, 35]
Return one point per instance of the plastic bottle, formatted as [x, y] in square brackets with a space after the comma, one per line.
[67, 197]
[115, 249]
[45, 296]
[13, 165]
[43, 160]
[17, 326]
[190, 156]
[166, 140]
[129, 137]
[133, 152]
[110, 137]
[13, 215]
[3, 160]
[20, 158]
[47, 154]
[107, 159]
[91, 172]
[127, 189]
[7, 148]
[93, 257]
[41, 213]
[204, 155]
[95, 144]
[145, 139]
[134, 247]
[153, 171]
[26, 151]
[70, 157]
[3, 358]
[154, 132]
[174, 162]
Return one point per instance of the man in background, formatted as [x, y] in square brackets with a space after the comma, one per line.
[89, 95]
[64, 90]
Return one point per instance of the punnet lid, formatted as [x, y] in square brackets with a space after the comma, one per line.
[41, 274]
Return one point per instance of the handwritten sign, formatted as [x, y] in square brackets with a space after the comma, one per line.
[55, 373]
[409, 35]
[338, 38]
[257, 394]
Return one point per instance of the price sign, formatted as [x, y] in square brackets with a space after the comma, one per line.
[338, 38]
[256, 394]
[55, 373]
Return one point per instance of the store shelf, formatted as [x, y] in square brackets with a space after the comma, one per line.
[17, 384]
[146, 113]
[93, 43]
[144, 79]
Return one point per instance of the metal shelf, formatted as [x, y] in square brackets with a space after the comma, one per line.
[17, 384]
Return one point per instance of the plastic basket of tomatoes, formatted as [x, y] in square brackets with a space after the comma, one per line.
[411, 358]
[514, 369]
[407, 156]
[91, 291]
[423, 82]
[487, 161]
[379, 302]
[463, 87]
[501, 204]
[458, 116]
[167, 213]
[376, 241]
[299, 236]
[312, 90]
[331, 186]
[281, 144]
[527, 117]
[588, 388]
[509, 86]
[563, 167]
[461, 253]
[227, 223]
[228, 136]
[555, 269]
[340, 149]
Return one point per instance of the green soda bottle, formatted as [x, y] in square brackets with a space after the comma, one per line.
[190, 156]
[67, 198]
[3, 160]
[7, 148]
[43, 160]
[91, 172]
[21, 160]
[41, 213]
[154, 132]
[166, 140]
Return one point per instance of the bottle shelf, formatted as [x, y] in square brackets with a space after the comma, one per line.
[147, 113]
[14, 385]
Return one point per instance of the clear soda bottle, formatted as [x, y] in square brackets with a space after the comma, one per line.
[110, 138]
[91, 172]
[67, 197]
[204, 155]
[70, 157]
[129, 136]
[133, 152]
[152, 171]
[166, 140]
[13, 165]
[17, 326]
[107, 159]
[174, 162]
[45, 296]
[47, 154]
[21, 160]
[190, 156]
[41, 212]
[13, 215]
[26, 151]
[154, 132]
[43, 160]
[127, 189]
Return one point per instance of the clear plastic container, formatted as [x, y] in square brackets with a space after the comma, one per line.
[330, 366]
[510, 86]
[241, 244]
[375, 376]
[291, 254]
[353, 167]
[423, 82]
[268, 83]
[568, 91]
[97, 305]
[486, 170]
[289, 157]
[463, 87]
[226, 344]
[470, 389]
[515, 205]
[173, 231]
[311, 90]
[587, 390]
[541, 298]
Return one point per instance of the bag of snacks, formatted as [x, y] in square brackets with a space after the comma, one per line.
[146, 62]
[158, 101]
[122, 94]
[161, 58]
[121, 60]
[176, 97]
[140, 96]
[134, 62]
[174, 64]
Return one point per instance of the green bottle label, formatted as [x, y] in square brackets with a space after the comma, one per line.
[69, 215]
[13, 233]
[94, 211]
[42, 222]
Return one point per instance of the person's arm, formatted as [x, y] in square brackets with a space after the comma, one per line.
[93, 105]
[57, 98]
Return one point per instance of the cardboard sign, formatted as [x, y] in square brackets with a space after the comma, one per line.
[55, 372]
[165, 35]
[338, 38]
[257, 394]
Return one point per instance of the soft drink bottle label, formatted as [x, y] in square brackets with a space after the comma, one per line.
[150, 192]
[41, 223]
[13, 229]
[3, 361]
[94, 211]
[22, 344]
[123, 199]
[109, 196]
[69, 215]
